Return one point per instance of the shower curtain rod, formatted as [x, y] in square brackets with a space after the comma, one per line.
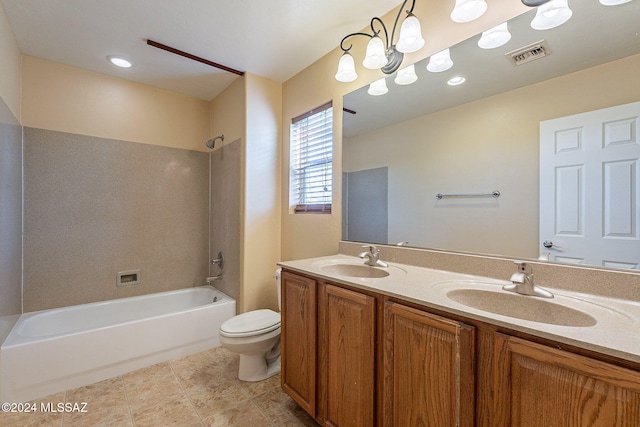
[193, 57]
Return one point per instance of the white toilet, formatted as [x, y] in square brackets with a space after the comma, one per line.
[255, 335]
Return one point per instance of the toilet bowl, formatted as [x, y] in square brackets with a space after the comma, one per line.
[255, 336]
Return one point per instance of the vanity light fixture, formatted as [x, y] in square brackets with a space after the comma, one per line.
[384, 55]
[120, 61]
[440, 61]
[551, 14]
[495, 37]
[468, 10]
[456, 80]
[406, 76]
[377, 88]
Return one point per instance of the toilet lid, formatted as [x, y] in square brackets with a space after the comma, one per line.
[251, 323]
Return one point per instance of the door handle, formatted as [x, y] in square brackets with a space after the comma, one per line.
[547, 244]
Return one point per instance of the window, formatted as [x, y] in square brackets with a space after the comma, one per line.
[311, 162]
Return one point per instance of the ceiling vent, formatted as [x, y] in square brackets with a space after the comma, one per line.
[529, 53]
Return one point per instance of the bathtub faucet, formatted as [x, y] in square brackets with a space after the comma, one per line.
[219, 260]
[212, 278]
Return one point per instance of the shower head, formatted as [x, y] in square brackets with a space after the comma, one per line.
[212, 142]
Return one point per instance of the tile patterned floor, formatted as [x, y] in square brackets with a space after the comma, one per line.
[198, 390]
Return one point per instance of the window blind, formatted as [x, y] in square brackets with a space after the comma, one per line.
[312, 160]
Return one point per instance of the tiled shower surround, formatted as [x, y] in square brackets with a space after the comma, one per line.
[224, 220]
[94, 207]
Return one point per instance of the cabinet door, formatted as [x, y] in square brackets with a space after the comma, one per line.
[544, 386]
[347, 357]
[429, 369]
[298, 340]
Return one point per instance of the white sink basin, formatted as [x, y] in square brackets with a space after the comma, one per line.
[523, 307]
[355, 270]
[490, 298]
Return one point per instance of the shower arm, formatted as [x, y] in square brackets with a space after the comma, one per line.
[212, 142]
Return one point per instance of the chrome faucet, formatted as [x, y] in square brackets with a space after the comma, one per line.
[372, 256]
[212, 278]
[219, 261]
[522, 282]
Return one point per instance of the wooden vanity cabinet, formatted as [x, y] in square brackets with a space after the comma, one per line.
[298, 339]
[346, 357]
[352, 358]
[328, 344]
[429, 369]
[537, 385]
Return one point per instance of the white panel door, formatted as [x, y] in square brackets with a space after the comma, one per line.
[590, 187]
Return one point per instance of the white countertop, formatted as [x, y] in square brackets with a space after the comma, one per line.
[616, 331]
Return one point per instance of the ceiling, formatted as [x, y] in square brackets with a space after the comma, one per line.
[275, 39]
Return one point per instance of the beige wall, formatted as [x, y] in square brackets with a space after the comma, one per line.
[481, 146]
[261, 228]
[9, 66]
[314, 235]
[67, 99]
[249, 112]
[227, 113]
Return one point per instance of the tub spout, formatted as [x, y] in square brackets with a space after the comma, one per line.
[212, 278]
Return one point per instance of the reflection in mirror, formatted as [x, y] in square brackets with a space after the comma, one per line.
[403, 148]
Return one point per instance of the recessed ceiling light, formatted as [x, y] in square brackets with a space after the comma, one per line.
[119, 61]
[456, 80]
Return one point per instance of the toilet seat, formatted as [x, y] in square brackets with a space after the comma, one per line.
[251, 323]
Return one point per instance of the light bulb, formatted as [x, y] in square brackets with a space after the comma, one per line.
[406, 76]
[456, 80]
[410, 35]
[377, 88]
[375, 57]
[495, 37]
[346, 69]
[440, 61]
[468, 10]
[551, 14]
[613, 2]
[120, 61]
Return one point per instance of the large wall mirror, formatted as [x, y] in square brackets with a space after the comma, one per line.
[403, 148]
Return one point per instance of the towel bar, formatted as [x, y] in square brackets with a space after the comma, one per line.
[493, 194]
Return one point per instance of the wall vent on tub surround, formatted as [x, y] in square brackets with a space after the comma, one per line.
[128, 278]
[529, 53]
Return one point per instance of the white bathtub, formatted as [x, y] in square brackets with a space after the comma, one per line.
[60, 349]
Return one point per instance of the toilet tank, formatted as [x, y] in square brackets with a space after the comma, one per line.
[278, 286]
